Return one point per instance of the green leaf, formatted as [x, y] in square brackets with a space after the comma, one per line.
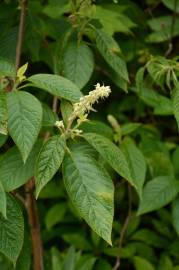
[165, 263]
[140, 78]
[98, 127]
[113, 19]
[108, 47]
[88, 264]
[24, 120]
[136, 163]
[7, 68]
[141, 264]
[157, 193]
[70, 260]
[2, 200]
[162, 29]
[3, 114]
[12, 230]
[3, 139]
[111, 154]
[171, 5]
[129, 128]
[13, 172]
[49, 161]
[66, 110]
[55, 214]
[49, 117]
[175, 214]
[56, 259]
[24, 259]
[57, 86]
[175, 103]
[78, 63]
[90, 189]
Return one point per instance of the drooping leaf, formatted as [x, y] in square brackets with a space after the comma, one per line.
[111, 154]
[91, 191]
[3, 114]
[78, 63]
[108, 47]
[12, 230]
[57, 86]
[175, 214]
[136, 163]
[157, 193]
[2, 200]
[49, 161]
[24, 120]
[13, 172]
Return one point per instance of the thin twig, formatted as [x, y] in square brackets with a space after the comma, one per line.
[34, 224]
[170, 45]
[55, 104]
[23, 6]
[124, 228]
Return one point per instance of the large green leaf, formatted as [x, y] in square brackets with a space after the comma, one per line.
[49, 161]
[78, 63]
[108, 48]
[175, 214]
[13, 172]
[2, 200]
[12, 230]
[90, 189]
[24, 120]
[157, 193]
[3, 113]
[111, 154]
[57, 86]
[136, 163]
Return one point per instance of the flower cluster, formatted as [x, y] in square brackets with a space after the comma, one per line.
[82, 108]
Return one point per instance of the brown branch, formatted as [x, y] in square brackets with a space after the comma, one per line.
[30, 202]
[23, 6]
[170, 45]
[124, 228]
[34, 224]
